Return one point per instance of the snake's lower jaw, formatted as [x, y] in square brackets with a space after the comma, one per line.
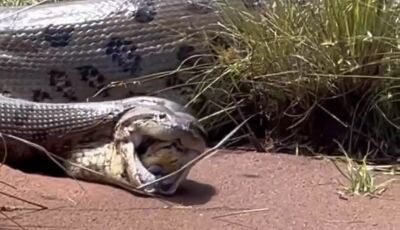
[170, 185]
[143, 176]
[166, 186]
[163, 187]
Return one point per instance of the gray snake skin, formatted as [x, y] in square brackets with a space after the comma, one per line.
[104, 137]
[54, 57]
[67, 51]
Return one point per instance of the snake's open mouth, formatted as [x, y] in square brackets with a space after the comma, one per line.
[159, 167]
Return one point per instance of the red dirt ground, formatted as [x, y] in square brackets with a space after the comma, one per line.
[282, 192]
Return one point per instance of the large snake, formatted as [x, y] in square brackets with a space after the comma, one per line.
[68, 51]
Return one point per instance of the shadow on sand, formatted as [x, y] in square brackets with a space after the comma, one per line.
[192, 193]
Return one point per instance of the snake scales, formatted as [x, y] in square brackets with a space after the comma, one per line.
[67, 51]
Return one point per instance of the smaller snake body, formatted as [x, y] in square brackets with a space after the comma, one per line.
[104, 137]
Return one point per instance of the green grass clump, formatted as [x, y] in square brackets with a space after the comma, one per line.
[360, 177]
[313, 73]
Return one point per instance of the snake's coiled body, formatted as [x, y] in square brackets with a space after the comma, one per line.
[64, 52]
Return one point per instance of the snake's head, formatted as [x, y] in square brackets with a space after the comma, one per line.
[164, 141]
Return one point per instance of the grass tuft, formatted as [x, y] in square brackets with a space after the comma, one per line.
[360, 177]
[312, 72]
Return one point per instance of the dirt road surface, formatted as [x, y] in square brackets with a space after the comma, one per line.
[232, 190]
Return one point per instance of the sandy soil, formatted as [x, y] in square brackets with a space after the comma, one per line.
[232, 190]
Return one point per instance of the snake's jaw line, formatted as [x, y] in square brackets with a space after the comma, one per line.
[143, 175]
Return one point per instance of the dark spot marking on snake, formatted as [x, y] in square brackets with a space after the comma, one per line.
[185, 51]
[40, 95]
[58, 37]
[146, 12]
[189, 55]
[19, 44]
[92, 76]
[123, 53]
[59, 80]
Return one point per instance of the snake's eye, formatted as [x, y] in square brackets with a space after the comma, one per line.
[162, 115]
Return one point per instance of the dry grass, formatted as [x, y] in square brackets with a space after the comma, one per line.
[360, 176]
[314, 73]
